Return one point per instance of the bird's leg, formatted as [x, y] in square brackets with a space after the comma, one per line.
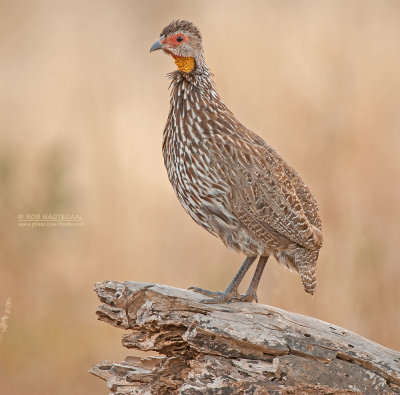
[231, 293]
[251, 293]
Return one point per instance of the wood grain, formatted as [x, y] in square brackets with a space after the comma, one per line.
[235, 348]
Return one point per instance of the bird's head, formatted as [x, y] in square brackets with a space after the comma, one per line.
[182, 40]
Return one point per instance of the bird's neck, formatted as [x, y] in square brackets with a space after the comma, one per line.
[184, 64]
[198, 83]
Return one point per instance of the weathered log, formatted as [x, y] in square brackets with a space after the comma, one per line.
[235, 348]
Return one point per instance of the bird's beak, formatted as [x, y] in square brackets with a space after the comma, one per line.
[156, 45]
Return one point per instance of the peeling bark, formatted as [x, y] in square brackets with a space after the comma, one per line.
[236, 348]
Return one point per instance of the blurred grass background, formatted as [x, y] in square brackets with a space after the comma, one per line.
[82, 109]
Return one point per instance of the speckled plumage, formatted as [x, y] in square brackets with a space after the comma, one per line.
[229, 180]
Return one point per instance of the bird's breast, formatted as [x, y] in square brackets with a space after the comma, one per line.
[194, 181]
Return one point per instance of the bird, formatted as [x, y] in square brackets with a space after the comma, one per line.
[228, 179]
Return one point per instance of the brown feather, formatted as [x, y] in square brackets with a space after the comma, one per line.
[230, 180]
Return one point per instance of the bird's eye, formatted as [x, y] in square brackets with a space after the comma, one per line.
[179, 38]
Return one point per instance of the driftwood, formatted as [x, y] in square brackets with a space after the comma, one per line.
[236, 348]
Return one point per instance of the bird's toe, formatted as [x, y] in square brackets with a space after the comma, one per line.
[206, 292]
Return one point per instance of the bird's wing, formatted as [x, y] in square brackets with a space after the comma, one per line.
[263, 192]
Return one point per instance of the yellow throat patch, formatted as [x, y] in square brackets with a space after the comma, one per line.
[185, 64]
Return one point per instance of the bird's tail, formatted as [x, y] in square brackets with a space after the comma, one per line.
[306, 263]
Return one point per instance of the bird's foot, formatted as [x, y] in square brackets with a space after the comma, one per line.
[249, 297]
[218, 296]
[224, 297]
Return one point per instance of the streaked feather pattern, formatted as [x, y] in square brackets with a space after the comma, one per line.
[233, 183]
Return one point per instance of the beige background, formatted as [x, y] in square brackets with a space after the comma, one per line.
[82, 109]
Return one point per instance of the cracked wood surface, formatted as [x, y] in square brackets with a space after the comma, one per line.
[235, 348]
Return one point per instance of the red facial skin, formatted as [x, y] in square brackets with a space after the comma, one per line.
[171, 42]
